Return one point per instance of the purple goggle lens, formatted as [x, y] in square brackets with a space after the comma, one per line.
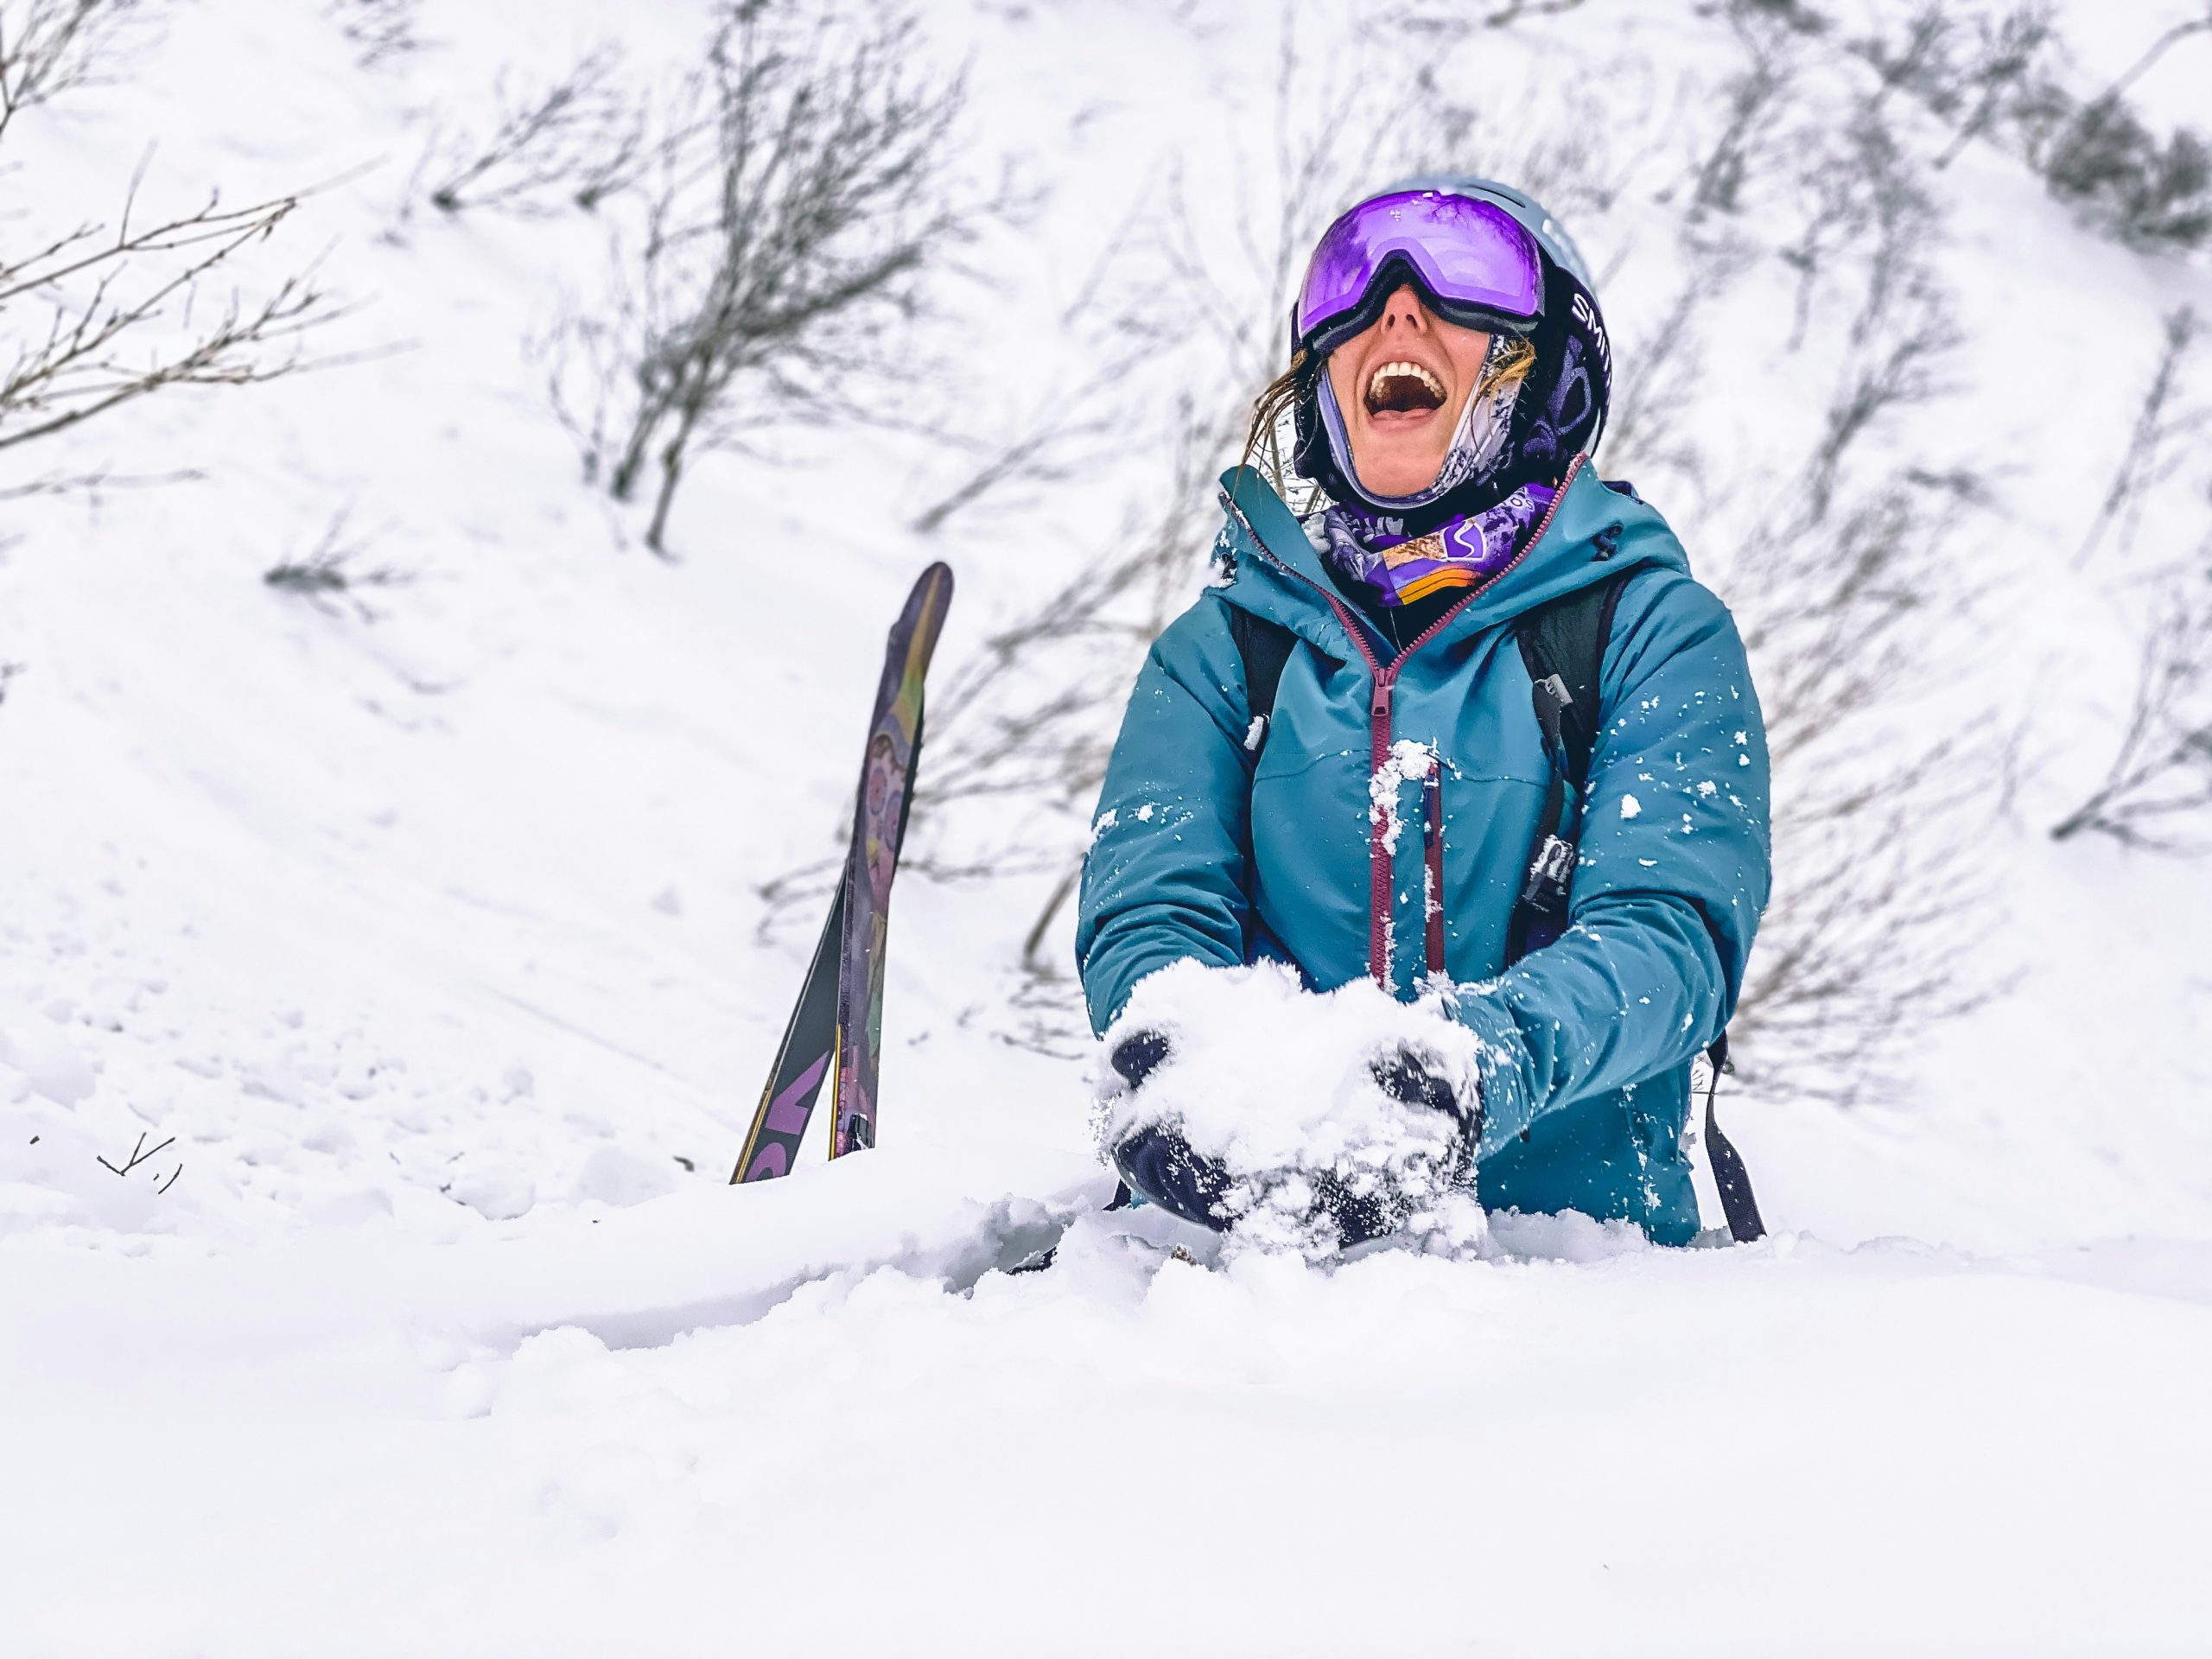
[1471, 255]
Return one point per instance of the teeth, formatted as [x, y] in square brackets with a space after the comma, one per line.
[1411, 371]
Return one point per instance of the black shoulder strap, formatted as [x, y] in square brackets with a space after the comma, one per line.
[1563, 645]
[1265, 647]
[1566, 639]
[1742, 1210]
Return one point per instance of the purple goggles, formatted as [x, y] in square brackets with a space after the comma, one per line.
[1475, 264]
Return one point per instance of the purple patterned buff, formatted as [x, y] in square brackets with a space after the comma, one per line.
[1375, 551]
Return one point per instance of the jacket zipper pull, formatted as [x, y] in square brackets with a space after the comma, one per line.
[1378, 711]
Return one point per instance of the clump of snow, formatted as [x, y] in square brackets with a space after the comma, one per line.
[48, 1062]
[1275, 1083]
[1407, 762]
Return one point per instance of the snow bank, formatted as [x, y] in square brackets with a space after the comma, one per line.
[1277, 1084]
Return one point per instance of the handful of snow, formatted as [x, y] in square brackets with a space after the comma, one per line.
[1275, 1085]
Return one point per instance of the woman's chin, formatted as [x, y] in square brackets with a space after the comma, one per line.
[1400, 452]
[1396, 479]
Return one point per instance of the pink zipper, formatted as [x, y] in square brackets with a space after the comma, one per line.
[1432, 895]
[1379, 905]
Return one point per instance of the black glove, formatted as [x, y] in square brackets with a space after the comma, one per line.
[1409, 1076]
[1159, 1163]
[1138, 1055]
[1406, 1075]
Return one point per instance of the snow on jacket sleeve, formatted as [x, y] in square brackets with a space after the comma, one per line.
[1166, 875]
[1673, 875]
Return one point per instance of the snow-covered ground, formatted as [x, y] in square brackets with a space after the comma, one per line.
[421, 949]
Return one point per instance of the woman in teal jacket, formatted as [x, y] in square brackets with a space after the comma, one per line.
[1407, 809]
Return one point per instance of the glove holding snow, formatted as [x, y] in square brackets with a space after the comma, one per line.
[1228, 1100]
[1407, 1074]
[1361, 1207]
[1154, 1160]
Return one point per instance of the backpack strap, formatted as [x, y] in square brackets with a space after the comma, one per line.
[1565, 640]
[1563, 645]
[1265, 646]
[1744, 1222]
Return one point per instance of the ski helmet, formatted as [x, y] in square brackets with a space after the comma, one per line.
[1481, 254]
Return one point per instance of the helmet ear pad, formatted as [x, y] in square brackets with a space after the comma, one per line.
[1561, 410]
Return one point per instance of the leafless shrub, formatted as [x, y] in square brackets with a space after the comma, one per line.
[2156, 794]
[2000, 78]
[2155, 437]
[578, 140]
[382, 29]
[100, 344]
[8, 672]
[48, 46]
[333, 570]
[1985, 75]
[1881, 792]
[2003, 78]
[786, 231]
[1753, 98]
[1862, 190]
[1058, 437]
[95, 485]
[2149, 193]
[93, 319]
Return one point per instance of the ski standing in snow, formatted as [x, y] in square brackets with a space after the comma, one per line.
[836, 1031]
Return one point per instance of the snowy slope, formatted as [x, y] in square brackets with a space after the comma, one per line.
[425, 946]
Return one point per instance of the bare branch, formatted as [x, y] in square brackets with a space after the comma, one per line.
[581, 139]
[98, 350]
[48, 47]
[788, 229]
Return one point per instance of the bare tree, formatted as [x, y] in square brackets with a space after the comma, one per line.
[2155, 439]
[1752, 98]
[382, 29]
[781, 243]
[48, 46]
[579, 140]
[2098, 155]
[2149, 193]
[2156, 794]
[104, 294]
[93, 318]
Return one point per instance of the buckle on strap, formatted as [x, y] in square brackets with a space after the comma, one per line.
[1549, 871]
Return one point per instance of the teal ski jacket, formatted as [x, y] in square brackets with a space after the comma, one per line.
[1200, 853]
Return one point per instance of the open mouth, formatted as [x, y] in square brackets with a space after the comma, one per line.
[1403, 389]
